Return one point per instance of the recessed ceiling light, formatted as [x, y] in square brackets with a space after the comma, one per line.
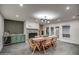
[67, 8]
[21, 5]
[74, 17]
[17, 15]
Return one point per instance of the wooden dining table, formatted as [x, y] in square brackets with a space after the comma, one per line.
[43, 42]
[40, 40]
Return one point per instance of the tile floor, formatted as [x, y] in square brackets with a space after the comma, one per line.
[62, 48]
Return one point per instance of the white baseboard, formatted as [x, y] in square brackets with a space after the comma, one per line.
[70, 42]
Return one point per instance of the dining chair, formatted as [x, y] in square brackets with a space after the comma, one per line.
[43, 45]
[54, 40]
[37, 45]
[32, 45]
[46, 44]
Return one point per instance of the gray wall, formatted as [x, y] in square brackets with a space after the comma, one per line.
[15, 27]
[1, 31]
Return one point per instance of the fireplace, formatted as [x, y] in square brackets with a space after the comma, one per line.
[32, 35]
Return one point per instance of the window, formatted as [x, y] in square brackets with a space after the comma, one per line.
[52, 30]
[47, 30]
[66, 31]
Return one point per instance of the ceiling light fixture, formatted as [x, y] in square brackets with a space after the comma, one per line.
[48, 21]
[67, 8]
[45, 19]
[21, 5]
[17, 15]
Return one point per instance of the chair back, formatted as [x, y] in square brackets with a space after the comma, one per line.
[31, 42]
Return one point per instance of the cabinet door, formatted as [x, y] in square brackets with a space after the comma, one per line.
[23, 38]
[20, 38]
[13, 39]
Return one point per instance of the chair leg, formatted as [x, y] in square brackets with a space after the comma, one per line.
[55, 45]
[34, 50]
[44, 49]
[51, 45]
[38, 48]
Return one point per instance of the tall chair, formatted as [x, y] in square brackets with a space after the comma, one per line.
[32, 45]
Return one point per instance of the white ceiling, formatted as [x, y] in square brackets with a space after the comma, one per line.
[26, 12]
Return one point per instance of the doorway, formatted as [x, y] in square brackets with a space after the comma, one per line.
[57, 31]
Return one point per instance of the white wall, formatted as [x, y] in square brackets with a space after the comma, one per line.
[1, 31]
[74, 31]
[30, 25]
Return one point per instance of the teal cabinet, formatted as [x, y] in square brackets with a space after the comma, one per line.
[13, 39]
[23, 38]
[20, 38]
[17, 38]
